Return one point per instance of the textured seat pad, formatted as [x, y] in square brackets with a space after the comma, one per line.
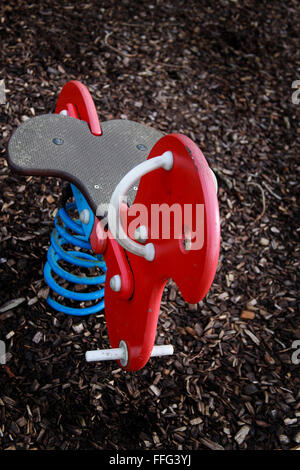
[95, 164]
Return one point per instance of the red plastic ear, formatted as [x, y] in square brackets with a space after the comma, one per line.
[76, 95]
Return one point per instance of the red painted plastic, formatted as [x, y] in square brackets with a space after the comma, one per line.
[115, 258]
[98, 238]
[76, 98]
[132, 313]
[102, 242]
[190, 181]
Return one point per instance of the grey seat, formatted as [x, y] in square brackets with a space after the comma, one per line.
[55, 145]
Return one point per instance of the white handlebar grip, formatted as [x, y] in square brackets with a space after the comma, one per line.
[117, 354]
[114, 222]
[121, 353]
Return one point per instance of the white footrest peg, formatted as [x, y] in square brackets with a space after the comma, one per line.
[121, 353]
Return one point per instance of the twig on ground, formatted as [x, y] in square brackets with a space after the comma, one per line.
[271, 191]
[124, 54]
[173, 66]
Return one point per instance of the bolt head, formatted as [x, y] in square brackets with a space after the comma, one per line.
[58, 141]
[84, 216]
[115, 283]
[141, 147]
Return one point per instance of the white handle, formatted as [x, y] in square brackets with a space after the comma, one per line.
[114, 223]
[121, 353]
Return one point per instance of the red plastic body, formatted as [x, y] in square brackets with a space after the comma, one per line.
[132, 313]
[190, 181]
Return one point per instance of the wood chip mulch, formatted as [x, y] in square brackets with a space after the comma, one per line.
[222, 74]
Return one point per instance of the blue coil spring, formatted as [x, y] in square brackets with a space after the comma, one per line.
[61, 236]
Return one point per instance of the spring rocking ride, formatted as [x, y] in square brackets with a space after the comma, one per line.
[116, 170]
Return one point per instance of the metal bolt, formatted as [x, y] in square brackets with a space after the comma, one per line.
[84, 216]
[58, 141]
[115, 283]
[96, 186]
[141, 147]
